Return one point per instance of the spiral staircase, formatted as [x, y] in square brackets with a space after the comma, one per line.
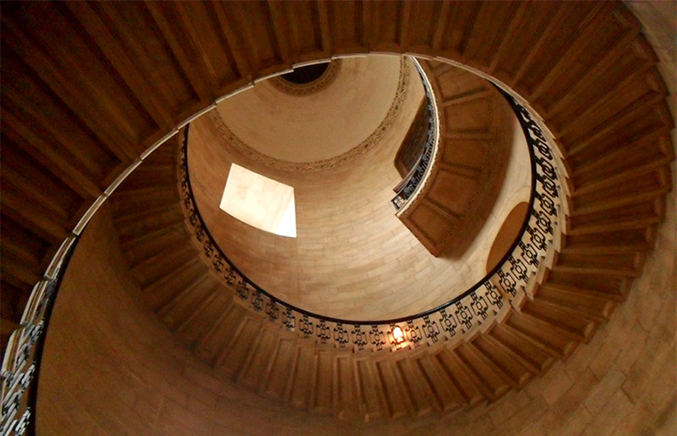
[84, 99]
[588, 278]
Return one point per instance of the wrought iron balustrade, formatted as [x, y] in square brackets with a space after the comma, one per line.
[489, 299]
[21, 361]
[420, 169]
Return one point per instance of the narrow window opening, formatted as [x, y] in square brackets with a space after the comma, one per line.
[259, 201]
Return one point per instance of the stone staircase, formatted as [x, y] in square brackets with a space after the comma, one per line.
[78, 109]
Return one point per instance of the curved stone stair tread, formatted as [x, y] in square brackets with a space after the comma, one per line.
[567, 306]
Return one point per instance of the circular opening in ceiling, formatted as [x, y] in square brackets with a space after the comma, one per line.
[309, 79]
[307, 74]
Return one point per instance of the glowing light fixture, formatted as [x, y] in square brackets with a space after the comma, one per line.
[398, 335]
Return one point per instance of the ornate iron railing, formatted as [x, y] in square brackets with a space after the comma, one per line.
[423, 163]
[21, 362]
[488, 300]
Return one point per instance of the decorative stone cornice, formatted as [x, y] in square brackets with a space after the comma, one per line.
[321, 165]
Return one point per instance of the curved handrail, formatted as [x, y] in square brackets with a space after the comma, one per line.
[465, 313]
[420, 170]
[21, 362]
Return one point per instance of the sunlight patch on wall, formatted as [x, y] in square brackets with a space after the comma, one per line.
[259, 201]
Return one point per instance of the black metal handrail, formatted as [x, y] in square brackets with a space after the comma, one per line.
[506, 282]
[418, 175]
[21, 362]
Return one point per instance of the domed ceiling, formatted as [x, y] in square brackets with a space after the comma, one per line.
[318, 125]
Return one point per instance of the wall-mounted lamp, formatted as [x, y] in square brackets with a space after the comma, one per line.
[398, 335]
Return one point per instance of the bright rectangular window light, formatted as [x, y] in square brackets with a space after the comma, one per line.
[259, 201]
